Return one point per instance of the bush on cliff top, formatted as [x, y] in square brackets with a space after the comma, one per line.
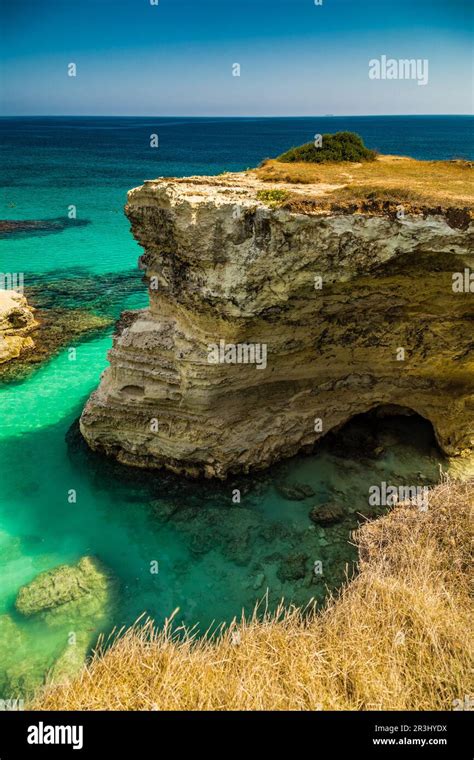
[341, 146]
[274, 197]
[396, 637]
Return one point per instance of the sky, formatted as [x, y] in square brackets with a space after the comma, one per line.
[176, 58]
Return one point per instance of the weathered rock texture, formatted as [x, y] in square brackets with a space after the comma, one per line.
[16, 325]
[67, 586]
[224, 266]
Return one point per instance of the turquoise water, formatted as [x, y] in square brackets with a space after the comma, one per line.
[215, 558]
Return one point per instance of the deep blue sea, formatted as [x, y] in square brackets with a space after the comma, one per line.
[115, 150]
[223, 557]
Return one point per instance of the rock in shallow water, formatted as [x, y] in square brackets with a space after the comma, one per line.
[295, 492]
[293, 567]
[74, 601]
[71, 661]
[9, 632]
[54, 329]
[327, 514]
[88, 581]
[258, 581]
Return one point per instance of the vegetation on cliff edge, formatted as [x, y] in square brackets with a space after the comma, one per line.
[341, 146]
[404, 180]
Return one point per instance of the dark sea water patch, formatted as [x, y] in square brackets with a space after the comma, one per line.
[72, 306]
[77, 288]
[28, 227]
[368, 444]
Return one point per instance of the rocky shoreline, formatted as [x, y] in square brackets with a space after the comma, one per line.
[17, 323]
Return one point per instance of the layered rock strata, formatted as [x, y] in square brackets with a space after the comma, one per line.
[267, 328]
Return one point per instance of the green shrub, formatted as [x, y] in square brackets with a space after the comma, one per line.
[272, 197]
[341, 146]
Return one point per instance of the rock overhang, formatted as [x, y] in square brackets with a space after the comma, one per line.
[230, 268]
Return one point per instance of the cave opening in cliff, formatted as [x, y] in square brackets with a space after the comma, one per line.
[375, 433]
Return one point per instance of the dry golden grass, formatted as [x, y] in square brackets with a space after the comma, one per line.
[397, 637]
[430, 182]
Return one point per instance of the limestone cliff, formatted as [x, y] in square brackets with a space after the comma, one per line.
[268, 327]
[16, 325]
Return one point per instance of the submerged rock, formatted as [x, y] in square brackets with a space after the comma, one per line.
[10, 632]
[87, 581]
[201, 544]
[73, 601]
[293, 567]
[239, 549]
[229, 530]
[327, 514]
[38, 226]
[295, 492]
[71, 660]
[258, 581]
[21, 668]
[21, 680]
[163, 511]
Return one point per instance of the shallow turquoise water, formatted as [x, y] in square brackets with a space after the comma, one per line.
[215, 558]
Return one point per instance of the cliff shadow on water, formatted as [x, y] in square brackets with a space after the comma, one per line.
[284, 532]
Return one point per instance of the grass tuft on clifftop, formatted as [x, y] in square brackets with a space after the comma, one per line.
[397, 637]
[341, 146]
[273, 198]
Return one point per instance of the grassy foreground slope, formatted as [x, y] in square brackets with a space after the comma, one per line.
[398, 636]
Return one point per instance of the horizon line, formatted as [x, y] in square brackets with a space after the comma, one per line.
[227, 116]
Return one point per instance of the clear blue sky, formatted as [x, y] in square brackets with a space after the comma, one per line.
[176, 58]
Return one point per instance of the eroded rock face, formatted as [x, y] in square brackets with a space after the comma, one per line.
[354, 311]
[16, 325]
